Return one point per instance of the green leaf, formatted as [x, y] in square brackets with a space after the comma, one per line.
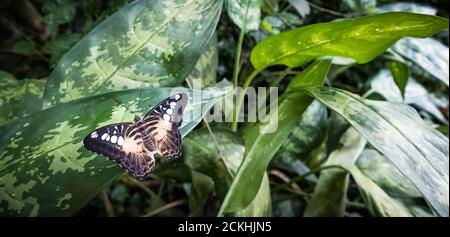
[58, 12]
[415, 94]
[148, 43]
[429, 54]
[202, 156]
[261, 205]
[201, 189]
[24, 47]
[399, 71]
[307, 135]
[379, 169]
[361, 39]
[330, 195]
[44, 169]
[60, 45]
[261, 146]
[204, 72]
[19, 97]
[244, 13]
[396, 130]
[377, 201]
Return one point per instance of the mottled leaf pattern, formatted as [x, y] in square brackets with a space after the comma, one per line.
[415, 94]
[379, 169]
[429, 54]
[396, 130]
[19, 97]
[361, 39]
[204, 72]
[148, 43]
[244, 13]
[44, 169]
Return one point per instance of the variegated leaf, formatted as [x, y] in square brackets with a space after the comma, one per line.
[44, 168]
[396, 130]
[148, 43]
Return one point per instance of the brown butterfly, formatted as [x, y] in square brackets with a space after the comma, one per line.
[133, 145]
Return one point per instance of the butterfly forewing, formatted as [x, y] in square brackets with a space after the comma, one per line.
[119, 143]
[162, 124]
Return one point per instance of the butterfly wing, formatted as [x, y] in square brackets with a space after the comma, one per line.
[124, 144]
[161, 126]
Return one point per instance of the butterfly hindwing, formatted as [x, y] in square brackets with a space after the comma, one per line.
[124, 144]
[162, 124]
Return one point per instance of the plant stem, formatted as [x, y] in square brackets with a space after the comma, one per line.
[241, 99]
[165, 207]
[108, 206]
[237, 59]
[236, 67]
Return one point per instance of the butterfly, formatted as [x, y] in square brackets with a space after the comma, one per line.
[133, 145]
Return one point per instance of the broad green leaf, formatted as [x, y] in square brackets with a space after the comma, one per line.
[361, 39]
[429, 54]
[148, 43]
[244, 13]
[45, 170]
[407, 7]
[379, 169]
[415, 94]
[201, 189]
[19, 97]
[204, 72]
[261, 205]
[261, 146]
[399, 71]
[202, 156]
[307, 135]
[377, 201]
[419, 152]
[330, 195]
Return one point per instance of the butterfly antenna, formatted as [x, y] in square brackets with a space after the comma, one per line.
[123, 105]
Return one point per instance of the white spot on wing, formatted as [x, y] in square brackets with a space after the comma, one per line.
[94, 135]
[166, 117]
[120, 141]
[104, 136]
[169, 111]
[177, 97]
[113, 139]
[107, 138]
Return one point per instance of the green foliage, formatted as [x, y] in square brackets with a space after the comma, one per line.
[19, 97]
[244, 13]
[142, 45]
[43, 161]
[418, 151]
[373, 142]
[361, 39]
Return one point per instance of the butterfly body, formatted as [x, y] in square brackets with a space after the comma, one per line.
[133, 145]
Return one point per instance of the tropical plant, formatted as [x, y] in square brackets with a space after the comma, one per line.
[361, 118]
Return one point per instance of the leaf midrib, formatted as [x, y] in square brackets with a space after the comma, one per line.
[168, 20]
[382, 32]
